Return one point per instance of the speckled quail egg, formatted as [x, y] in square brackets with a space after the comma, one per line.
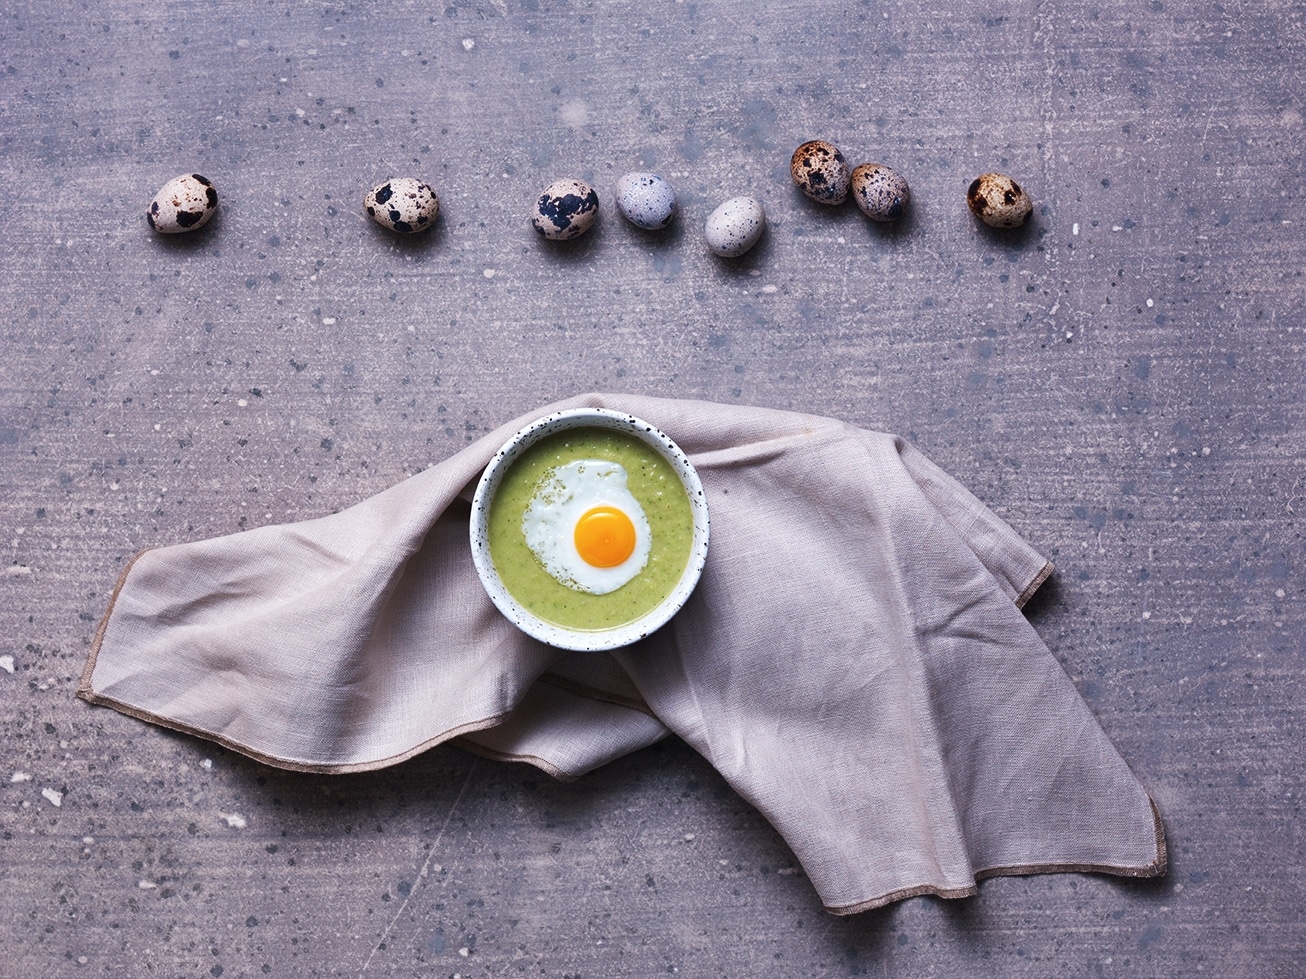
[566, 209]
[184, 203]
[999, 201]
[881, 192]
[646, 200]
[735, 226]
[820, 171]
[403, 204]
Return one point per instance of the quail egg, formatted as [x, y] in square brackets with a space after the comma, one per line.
[403, 204]
[184, 203]
[820, 171]
[566, 209]
[999, 201]
[880, 191]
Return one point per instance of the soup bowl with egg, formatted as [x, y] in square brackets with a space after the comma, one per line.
[589, 529]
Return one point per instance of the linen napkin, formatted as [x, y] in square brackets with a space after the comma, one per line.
[854, 660]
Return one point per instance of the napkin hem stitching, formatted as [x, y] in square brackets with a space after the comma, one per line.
[1035, 584]
[562, 775]
[84, 684]
[1156, 868]
[290, 764]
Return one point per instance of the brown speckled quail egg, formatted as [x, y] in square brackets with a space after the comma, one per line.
[403, 204]
[999, 201]
[735, 226]
[820, 171]
[881, 192]
[566, 209]
[184, 203]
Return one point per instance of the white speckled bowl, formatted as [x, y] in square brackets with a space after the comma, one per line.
[587, 639]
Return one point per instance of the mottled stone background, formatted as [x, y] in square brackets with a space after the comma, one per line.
[1122, 381]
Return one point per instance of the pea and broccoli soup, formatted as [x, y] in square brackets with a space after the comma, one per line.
[590, 528]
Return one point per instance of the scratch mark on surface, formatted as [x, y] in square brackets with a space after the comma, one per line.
[426, 869]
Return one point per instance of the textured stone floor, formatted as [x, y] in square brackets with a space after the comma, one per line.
[1122, 381]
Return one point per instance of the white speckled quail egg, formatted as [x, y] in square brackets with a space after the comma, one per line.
[184, 203]
[880, 191]
[735, 226]
[646, 200]
[403, 204]
[566, 209]
[820, 171]
[999, 201]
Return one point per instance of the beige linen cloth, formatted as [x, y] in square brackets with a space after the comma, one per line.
[854, 660]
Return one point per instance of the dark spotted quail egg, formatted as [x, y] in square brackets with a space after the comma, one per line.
[880, 191]
[999, 201]
[184, 203]
[404, 204]
[820, 171]
[566, 209]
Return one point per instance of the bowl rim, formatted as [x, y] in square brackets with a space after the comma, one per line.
[587, 640]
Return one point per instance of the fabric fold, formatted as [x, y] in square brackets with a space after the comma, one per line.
[853, 661]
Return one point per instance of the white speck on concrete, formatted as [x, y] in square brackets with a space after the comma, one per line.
[1150, 304]
[207, 763]
[234, 819]
[146, 885]
[574, 113]
[1279, 593]
[53, 796]
[689, 837]
[328, 321]
[16, 570]
[464, 951]
[88, 839]
[242, 403]
[7, 664]
[468, 44]
[1074, 229]
[769, 290]
[489, 273]
[20, 777]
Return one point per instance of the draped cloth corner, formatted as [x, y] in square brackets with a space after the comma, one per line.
[854, 661]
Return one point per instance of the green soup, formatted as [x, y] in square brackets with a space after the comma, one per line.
[650, 479]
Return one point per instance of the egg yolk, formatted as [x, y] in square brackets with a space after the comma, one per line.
[605, 537]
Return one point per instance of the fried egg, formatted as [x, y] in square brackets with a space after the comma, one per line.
[586, 527]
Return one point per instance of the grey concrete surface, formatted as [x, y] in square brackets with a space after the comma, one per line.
[1122, 381]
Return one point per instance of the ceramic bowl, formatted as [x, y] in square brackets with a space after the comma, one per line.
[587, 639]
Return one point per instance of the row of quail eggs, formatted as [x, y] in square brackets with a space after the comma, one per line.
[567, 208]
[821, 172]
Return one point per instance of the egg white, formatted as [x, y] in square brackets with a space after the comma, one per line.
[565, 494]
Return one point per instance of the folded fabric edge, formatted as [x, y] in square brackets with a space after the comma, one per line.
[84, 685]
[543, 764]
[86, 692]
[1035, 584]
[290, 764]
[1156, 868]
[594, 693]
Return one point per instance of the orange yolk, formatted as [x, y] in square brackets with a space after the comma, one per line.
[605, 537]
